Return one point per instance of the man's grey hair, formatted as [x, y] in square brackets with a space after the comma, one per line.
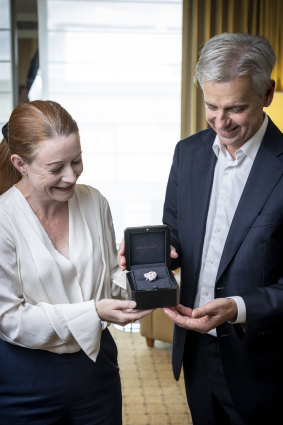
[231, 55]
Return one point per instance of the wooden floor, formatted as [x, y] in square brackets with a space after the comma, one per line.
[151, 396]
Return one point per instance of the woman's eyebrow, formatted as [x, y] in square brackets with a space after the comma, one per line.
[61, 162]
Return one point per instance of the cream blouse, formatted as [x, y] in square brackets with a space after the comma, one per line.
[46, 300]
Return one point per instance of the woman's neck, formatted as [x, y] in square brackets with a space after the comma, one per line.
[44, 209]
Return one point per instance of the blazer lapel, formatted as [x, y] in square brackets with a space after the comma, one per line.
[203, 168]
[265, 173]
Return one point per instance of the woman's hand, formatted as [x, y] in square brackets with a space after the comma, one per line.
[205, 318]
[120, 312]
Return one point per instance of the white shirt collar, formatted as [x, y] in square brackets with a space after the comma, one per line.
[249, 148]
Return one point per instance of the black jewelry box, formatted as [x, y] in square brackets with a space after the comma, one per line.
[147, 249]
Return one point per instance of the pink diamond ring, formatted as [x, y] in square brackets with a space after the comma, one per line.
[150, 276]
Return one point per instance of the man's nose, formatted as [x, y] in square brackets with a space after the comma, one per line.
[222, 119]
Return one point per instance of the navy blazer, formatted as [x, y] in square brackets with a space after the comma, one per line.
[251, 266]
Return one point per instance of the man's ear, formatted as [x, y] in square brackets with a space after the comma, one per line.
[19, 163]
[268, 96]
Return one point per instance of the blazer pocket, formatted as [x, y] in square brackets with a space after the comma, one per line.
[271, 219]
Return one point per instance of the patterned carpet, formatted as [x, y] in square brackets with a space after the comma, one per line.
[151, 396]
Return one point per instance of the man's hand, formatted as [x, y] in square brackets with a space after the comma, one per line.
[120, 312]
[121, 256]
[173, 252]
[204, 318]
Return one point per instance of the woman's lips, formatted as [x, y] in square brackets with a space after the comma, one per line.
[64, 189]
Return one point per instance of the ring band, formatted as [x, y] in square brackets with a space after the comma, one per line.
[150, 276]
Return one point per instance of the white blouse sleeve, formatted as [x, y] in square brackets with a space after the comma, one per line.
[82, 322]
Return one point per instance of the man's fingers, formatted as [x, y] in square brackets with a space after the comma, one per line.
[173, 252]
[186, 311]
[197, 313]
[121, 256]
[121, 249]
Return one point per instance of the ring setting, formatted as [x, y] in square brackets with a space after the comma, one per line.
[150, 276]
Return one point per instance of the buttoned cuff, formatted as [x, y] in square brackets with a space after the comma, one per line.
[242, 312]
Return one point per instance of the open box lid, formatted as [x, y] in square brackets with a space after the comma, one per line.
[147, 245]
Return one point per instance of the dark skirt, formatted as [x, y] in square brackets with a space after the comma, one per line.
[38, 387]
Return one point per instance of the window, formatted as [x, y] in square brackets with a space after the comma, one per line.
[6, 91]
[116, 67]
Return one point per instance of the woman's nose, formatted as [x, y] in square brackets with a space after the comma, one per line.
[70, 175]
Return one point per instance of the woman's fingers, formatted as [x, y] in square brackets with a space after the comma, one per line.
[119, 312]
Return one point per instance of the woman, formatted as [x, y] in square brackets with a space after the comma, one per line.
[58, 279]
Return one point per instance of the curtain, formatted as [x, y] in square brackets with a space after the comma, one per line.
[270, 25]
[202, 19]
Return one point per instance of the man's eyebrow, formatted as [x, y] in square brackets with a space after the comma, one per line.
[209, 104]
[61, 162]
[235, 105]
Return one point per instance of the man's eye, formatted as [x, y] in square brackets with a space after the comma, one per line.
[237, 109]
[77, 162]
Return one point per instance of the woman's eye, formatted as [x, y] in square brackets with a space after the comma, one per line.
[58, 170]
[55, 171]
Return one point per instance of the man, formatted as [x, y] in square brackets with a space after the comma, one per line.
[224, 206]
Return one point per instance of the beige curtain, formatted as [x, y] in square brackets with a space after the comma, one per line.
[203, 19]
